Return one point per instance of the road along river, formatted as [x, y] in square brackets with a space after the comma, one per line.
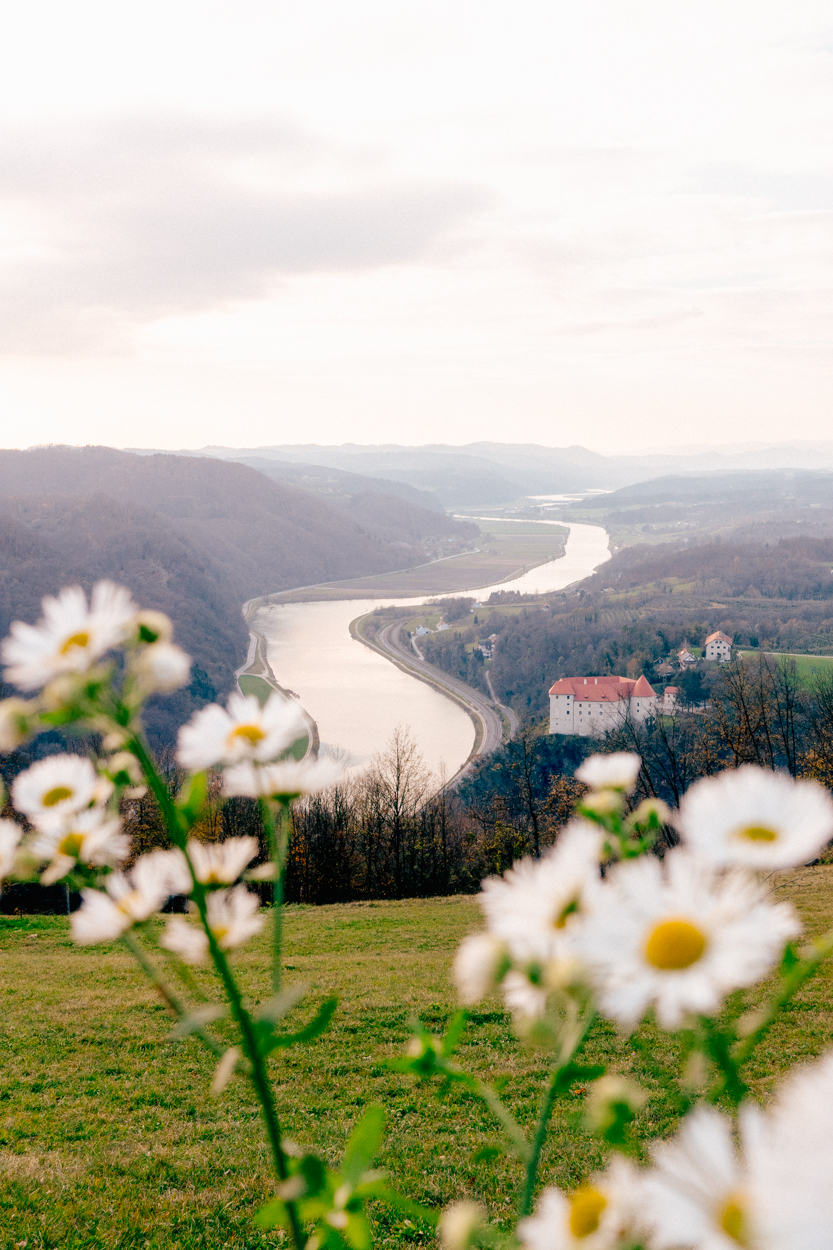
[357, 697]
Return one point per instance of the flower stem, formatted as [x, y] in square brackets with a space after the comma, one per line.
[277, 836]
[569, 1050]
[177, 1007]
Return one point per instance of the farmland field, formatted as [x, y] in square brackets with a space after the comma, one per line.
[110, 1137]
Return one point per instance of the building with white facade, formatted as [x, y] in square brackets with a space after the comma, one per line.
[718, 646]
[593, 705]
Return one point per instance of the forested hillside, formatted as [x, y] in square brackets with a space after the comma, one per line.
[193, 537]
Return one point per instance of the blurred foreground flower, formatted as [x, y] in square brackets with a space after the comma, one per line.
[10, 835]
[91, 837]
[56, 787]
[221, 863]
[70, 637]
[617, 771]
[130, 899]
[603, 1215]
[243, 730]
[757, 819]
[232, 919]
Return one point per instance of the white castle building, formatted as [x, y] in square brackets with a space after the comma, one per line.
[593, 705]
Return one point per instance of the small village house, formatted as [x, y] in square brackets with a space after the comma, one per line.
[718, 647]
[685, 659]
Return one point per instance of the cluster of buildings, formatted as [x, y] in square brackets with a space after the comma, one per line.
[594, 705]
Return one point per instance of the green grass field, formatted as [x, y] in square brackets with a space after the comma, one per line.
[807, 666]
[110, 1138]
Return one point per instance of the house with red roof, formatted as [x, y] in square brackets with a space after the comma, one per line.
[590, 706]
[718, 646]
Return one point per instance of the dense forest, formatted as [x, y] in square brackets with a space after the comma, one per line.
[193, 537]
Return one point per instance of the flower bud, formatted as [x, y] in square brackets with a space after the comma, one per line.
[613, 1100]
[153, 627]
[161, 667]
[602, 802]
[651, 811]
[617, 771]
[123, 768]
[459, 1224]
[15, 717]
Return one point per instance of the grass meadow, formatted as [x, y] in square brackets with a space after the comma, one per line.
[109, 1136]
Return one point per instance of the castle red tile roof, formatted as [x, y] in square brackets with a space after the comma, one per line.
[718, 636]
[602, 689]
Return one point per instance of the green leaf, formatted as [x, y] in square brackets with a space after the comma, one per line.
[790, 958]
[576, 1073]
[192, 796]
[316, 1026]
[357, 1234]
[363, 1145]
[272, 1214]
[455, 1032]
[197, 1020]
[314, 1173]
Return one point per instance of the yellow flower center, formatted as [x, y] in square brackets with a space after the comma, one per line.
[71, 845]
[731, 1217]
[758, 833]
[81, 639]
[56, 795]
[220, 931]
[252, 733]
[568, 910]
[586, 1206]
[674, 945]
[128, 901]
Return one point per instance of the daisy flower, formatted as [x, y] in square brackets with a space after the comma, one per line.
[161, 668]
[791, 1162]
[56, 787]
[534, 906]
[89, 837]
[679, 936]
[10, 835]
[232, 919]
[130, 899]
[698, 1192]
[617, 771]
[221, 863]
[602, 1215]
[756, 818]
[286, 780]
[70, 637]
[243, 730]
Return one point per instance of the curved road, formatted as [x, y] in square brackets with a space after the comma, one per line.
[488, 723]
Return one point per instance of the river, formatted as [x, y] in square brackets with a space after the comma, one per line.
[358, 698]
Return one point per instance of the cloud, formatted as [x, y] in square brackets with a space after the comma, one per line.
[120, 224]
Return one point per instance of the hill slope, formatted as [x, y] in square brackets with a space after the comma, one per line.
[193, 537]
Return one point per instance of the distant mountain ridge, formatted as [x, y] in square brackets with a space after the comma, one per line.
[484, 473]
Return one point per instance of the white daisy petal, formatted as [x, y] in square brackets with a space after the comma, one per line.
[617, 771]
[185, 940]
[476, 966]
[71, 635]
[534, 906]
[243, 730]
[756, 818]
[288, 779]
[678, 936]
[92, 836]
[791, 1162]
[10, 835]
[232, 918]
[161, 668]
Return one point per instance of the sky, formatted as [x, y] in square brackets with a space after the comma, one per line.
[261, 222]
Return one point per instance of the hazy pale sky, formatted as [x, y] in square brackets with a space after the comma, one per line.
[607, 223]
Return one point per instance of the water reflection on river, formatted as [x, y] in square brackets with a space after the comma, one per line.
[358, 698]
